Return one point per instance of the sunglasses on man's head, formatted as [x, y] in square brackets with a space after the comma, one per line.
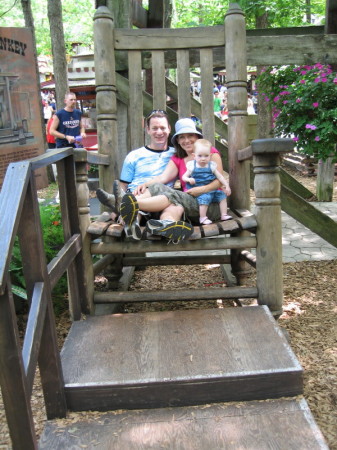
[156, 111]
[153, 113]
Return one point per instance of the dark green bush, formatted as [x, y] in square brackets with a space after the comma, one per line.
[53, 241]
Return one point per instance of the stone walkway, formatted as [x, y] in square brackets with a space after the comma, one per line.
[300, 244]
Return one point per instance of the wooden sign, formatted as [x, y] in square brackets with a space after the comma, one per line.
[21, 132]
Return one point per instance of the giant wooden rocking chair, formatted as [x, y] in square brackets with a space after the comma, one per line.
[121, 106]
[157, 359]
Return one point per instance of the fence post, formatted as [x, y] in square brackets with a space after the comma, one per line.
[236, 81]
[267, 186]
[106, 101]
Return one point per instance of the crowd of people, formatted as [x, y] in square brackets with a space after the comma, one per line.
[220, 99]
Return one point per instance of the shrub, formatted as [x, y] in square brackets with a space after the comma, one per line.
[52, 232]
[304, 104]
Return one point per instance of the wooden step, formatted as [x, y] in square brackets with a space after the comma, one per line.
[278, 424]
[175, 358]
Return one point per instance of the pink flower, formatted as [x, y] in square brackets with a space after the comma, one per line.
[298, 100]
[317, 138]
[285, 102]
[303, 72]
[315, 104]
[295, 139]
[310, 127]
[324, 80]
[276, 99]
[317, 80]
[335, 80]
[302, 81]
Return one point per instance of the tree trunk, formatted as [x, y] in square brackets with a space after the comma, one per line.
[308, 10]
[29, 23]
[325, 178]
[264, 118]
[58, 50]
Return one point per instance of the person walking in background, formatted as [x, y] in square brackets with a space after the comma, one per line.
[67, 123]
[217, 103]
[50, 138]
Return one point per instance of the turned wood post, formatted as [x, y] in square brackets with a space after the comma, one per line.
[236, 81]
[267, 186]
[106, 102]
[106, 105]
[84, 222]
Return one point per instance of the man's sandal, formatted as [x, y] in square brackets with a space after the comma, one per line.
[129, 214]
[173, 231]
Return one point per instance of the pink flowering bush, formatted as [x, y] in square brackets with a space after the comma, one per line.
[304, 105]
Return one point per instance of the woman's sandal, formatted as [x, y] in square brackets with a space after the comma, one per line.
[226, 217]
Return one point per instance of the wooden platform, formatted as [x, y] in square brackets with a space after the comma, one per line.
[259, 425]
[151, 360]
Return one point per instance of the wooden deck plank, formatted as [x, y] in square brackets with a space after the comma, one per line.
[282, 423]
[178, 358]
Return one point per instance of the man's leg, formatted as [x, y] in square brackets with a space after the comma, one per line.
[172, 212]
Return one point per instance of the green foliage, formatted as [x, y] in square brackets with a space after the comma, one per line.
[78, 16]
[281, 13]
[77, 21]
[53, 241]
[304, 104]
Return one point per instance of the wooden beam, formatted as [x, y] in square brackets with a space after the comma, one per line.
[156, 14]
[179, 295]
[139, 15]
[173, 38]
[219, 243]
[175, 260]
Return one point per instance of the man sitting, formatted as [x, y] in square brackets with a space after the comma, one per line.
[140, 165]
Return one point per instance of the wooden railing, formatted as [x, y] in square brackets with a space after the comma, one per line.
[19, 212]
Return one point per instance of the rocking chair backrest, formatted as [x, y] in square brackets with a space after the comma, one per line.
[144, 51]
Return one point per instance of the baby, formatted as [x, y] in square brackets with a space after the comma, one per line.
[202, 171]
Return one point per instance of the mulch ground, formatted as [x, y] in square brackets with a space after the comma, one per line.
[310, 307]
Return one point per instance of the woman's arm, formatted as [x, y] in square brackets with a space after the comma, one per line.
[214, 185]
[169, 174]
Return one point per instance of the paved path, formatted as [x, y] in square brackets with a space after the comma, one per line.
[300, 244]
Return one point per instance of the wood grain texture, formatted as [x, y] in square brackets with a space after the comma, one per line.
[127, 247]
[177, 358]
[278, 424]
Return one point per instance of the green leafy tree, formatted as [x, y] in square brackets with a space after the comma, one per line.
[281, 13]
[77, 21]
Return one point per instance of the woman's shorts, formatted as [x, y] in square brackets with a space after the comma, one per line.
[187, 201]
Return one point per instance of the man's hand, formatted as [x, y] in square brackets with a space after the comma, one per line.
[140, 189]
[70, 139]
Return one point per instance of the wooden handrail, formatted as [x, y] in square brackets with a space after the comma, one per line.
[20, 217]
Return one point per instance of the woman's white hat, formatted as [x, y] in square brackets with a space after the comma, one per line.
[183, 126]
